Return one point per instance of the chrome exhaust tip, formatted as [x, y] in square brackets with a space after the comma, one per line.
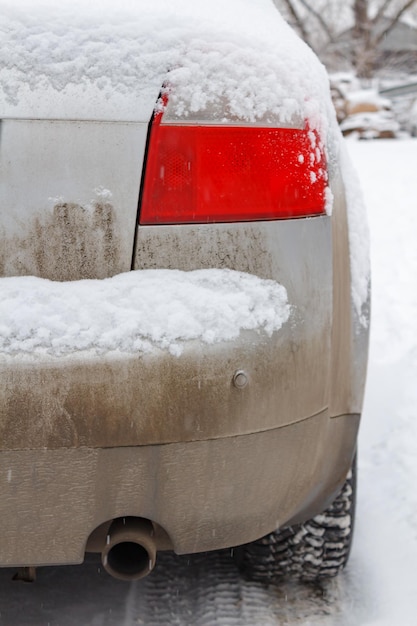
[130, 550]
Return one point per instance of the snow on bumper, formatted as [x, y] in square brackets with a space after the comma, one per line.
[136, 312]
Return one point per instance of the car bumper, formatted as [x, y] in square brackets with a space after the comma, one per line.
[205, 495]
[158, 398]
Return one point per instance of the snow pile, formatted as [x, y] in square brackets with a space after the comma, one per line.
[366, 100]
[369, 115]
[345, 81]
[137, 311]
[95, 59]
[381, 124]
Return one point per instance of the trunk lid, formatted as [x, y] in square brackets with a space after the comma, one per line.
[69, 194]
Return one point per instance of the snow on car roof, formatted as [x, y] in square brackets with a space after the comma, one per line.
[103, 59]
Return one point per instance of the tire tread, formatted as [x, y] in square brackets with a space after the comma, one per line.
[308, 552]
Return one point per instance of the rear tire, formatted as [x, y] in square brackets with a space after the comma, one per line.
[308, 552]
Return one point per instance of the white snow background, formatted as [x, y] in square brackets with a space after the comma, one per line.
[385, 550]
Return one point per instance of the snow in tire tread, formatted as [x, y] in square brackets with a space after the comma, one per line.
[317, 549]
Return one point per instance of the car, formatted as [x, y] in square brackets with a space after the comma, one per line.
[184, 311]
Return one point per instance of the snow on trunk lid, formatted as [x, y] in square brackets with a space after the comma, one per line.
[102, 61]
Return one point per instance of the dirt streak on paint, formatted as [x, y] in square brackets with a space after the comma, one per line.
[71, 243]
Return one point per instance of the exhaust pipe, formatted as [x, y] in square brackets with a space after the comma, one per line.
[130, 550]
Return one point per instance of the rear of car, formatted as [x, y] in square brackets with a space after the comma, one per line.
[184, 319]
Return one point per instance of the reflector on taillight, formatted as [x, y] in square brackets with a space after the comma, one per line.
[227, 173]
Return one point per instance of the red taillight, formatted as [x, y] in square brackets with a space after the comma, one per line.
[213, 173]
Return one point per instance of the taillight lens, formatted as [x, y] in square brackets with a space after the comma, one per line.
[216, 173]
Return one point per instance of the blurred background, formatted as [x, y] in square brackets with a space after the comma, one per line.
[369, 48]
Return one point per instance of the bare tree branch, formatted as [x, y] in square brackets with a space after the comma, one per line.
[361, 17]
[320, 19]
[394, 20]
[361, 44]
[298, 20]
[381, 11]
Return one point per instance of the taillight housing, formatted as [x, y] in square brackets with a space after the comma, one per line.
[198, 173]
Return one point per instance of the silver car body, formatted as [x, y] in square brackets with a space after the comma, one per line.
[87, 439]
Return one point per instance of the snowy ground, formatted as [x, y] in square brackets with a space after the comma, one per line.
[379, 587]
[385, 551]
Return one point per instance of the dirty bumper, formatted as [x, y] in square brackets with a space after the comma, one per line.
[231, 388]
[205, 495]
